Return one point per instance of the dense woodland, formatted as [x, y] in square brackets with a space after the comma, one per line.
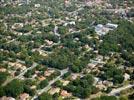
[121, 41]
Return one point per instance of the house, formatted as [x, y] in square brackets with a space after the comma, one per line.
[129, 69]
[34, 76]
[38, 32]
[91, 65]
[2, 70]
[33, 87]
[48, 72]
[112, 26]
[96, 80]
[86, 70]
[49, 42]
[24, 96]
[42, 52]
[65, 24]
[108, 83]
[72, 23]
[41, 78]
[17, 25]
[74, 76]
[11, 64]
[67, 3]
[7, 98]
[99, 65]
[37, 72]
[65, 94]
[76, 39]
[101, 87]
[96, 51]
[126, 76]
[65, 82]
[103, 29]
[99, 58]
[18, 33]
[91, 3]
[69, 23]
[56, 31]
[37, 5]
[17, 65]
[52, 91]
[87, 47]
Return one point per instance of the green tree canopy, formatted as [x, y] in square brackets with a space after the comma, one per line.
[14, 88]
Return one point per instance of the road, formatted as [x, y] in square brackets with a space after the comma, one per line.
[84, 53]
[117, 10]
[118, 90]
[21, 74]
[43, 52]
[11, 41]
[39, 92]
[76, 11]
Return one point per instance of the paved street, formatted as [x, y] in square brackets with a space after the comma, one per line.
[39, 92]
[118, 90]
[21, 74]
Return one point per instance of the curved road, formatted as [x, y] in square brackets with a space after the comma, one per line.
[118, 90]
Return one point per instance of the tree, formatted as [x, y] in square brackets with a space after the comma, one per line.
[66, 75]
[111, 72]
[2, 91]
[109, 89]
[108, 98]
[62, 30]
[43, 83]
[58, 83]
[86, 92]
[60, 59]
[45, 96]
[74, 69]
[56, 96]
[14, 88]
[28, 90]
[123, 98]
[3, 77]
[81, 87]
[131, 97]
[118, 79]
[120, 40]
